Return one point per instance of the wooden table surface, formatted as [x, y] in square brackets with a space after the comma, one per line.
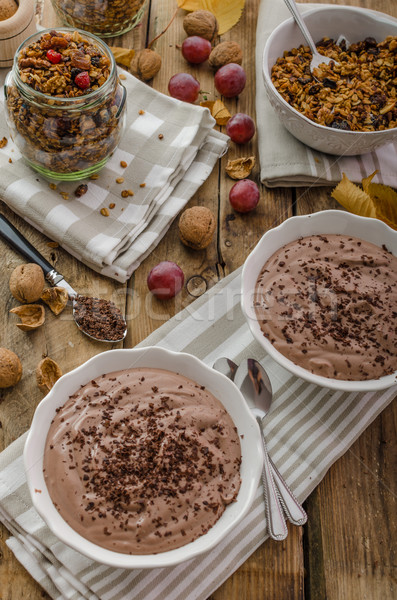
[347, 550]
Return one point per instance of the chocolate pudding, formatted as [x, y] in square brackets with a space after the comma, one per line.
[142, 461]
[329, 304]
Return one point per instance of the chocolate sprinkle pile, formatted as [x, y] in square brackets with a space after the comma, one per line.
[101, 319]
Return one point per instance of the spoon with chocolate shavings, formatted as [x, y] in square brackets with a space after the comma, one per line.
[100, 319]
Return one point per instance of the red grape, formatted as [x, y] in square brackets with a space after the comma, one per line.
[184, 87]
[196, 49]
[240, 128]
[165, 280]
[230, 80]
[244, 195]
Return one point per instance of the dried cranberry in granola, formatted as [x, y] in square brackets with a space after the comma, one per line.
[356, 93]
[51, 64]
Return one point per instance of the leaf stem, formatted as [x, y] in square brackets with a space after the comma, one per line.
[164, 30]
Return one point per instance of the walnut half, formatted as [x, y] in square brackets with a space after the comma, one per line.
[47, 373]
[56, 298]
[31, 315]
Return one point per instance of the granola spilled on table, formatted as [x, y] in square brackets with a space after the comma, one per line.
[64, 103]
[103, 18]
[356, 93]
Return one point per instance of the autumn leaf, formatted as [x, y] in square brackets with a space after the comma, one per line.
[218, 110]
[228, 12]
[374, 200]
[353, 198]
[122, 56]
[385, 201]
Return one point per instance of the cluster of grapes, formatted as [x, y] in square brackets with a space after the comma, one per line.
[166, 279]
[229, 80]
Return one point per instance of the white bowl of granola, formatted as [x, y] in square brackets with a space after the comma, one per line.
[337, 112]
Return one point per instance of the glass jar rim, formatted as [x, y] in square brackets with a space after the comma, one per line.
[66, 101]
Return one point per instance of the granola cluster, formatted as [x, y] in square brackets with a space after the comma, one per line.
[357, 92]
[109, 17]
[58, 64]
[52, 132]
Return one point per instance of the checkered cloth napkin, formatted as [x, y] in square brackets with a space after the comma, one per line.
[285, 161]
[307, 430]
[162, 173]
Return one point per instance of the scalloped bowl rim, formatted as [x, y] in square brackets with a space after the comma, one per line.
[323, 222]
[376, 15]
[112, 360]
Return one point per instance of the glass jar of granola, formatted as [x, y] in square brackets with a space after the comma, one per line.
[105, 18]
[65, 104]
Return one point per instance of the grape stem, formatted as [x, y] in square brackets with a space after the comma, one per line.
[164, 30]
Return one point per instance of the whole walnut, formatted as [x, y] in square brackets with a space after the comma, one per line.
[145, 64]
[27, 282]
[224, 53]
[202, 23]
[10, 368]
[196, 227]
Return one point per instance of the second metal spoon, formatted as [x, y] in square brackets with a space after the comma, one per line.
[292, 508]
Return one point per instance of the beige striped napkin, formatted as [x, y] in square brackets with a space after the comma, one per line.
[285, 161]
[162, 172]
[307, 430]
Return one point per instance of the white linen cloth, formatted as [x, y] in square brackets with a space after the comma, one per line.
[307, 430]
[284, 160]
[171, 168]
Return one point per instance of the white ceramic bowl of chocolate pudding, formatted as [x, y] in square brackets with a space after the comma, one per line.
[143, 458]
[319, 293]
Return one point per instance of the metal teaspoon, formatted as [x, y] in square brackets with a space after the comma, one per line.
[317, 57]
[292, 508]
[11, 235]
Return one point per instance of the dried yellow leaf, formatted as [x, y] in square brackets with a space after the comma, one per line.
[385, 201]
[353, 198]
[227, 13]
[218, 111]
[123, 56]
[366, 182]
[240, 168]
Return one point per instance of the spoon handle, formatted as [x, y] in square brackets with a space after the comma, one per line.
[274, 514]
[301, 24]
[15, 239]
[292, 508]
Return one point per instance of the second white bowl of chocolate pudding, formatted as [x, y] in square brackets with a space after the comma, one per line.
[143, 458]
[319, 293]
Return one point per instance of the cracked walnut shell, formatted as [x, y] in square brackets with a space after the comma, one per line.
[202, 23]
[47, 373]
[224, 53]
[27, 282]
[196, 227]
[32, 316]
[56, 298]
[145, 64]
[10, 368]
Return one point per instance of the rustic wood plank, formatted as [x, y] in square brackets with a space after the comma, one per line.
[275, 572]
[351, 532]
[199, 266]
